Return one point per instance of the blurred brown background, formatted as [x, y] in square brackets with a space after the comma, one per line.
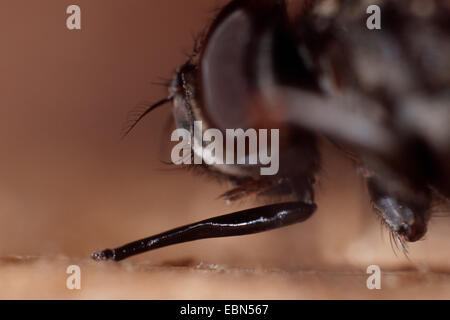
[69, 185]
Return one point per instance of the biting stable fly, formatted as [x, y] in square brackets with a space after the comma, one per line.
[382, 96]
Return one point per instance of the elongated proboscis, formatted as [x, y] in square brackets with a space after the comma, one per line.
[244, 222]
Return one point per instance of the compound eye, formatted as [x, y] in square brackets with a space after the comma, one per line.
[248, 49]
[223, 72]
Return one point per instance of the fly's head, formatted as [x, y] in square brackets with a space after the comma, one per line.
[248, 49]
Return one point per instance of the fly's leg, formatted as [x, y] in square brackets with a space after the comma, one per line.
[235, 224]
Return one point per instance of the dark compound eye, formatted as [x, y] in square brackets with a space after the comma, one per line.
[223, 75]
[248, 48]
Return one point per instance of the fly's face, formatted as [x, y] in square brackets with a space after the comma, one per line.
[380, 95]
[188, 113]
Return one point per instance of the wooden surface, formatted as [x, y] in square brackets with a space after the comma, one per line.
[43, 278]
